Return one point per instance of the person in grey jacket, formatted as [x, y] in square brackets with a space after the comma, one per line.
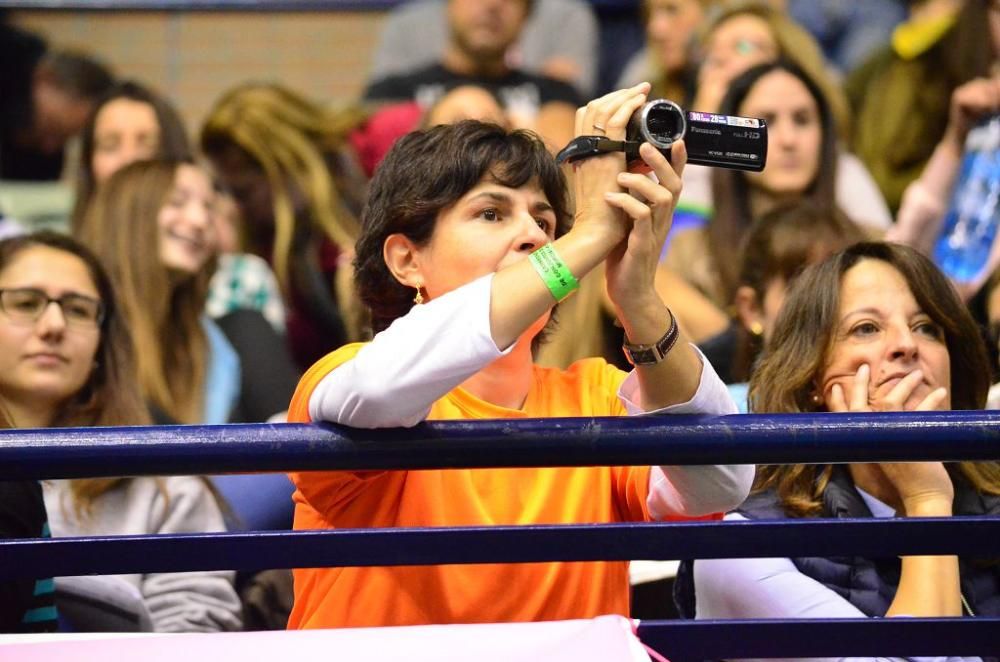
[66, 360]
[177, 601]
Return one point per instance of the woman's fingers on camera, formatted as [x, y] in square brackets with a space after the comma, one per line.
[608, 115]
[646, 190]
[634, 208]
[668, 172]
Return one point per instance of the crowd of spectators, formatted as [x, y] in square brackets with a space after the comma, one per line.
[409, 256]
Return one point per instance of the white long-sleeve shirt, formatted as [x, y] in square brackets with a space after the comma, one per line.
[774, 588]
[393, 381]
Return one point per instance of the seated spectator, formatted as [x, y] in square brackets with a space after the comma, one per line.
[26, 605]
[72, 365]
[293, 171]
[900, 96]
[925, 201]
[415, 34]
[873, 328]
[443, 263]
[152, 225]
[744, 34]
[480, 34]
[131, 123]
[670, 59]
[778, 246]
[467, 102]
[802, 164]
[45, 98]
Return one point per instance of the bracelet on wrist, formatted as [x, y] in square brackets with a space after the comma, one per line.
[554, 272]
[652, 354]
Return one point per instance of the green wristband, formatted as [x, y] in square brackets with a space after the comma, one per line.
[554, 272]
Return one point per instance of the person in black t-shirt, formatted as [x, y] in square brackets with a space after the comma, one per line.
[45, 98]
[480, 33]
[26, 605]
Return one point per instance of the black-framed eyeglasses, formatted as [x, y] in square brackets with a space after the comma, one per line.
[28, 304]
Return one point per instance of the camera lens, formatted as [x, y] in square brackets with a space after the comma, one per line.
[661, 122]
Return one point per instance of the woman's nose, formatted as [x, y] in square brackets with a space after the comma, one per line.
[902, 344]
[52, 320]
[532, 235]
[197, 215]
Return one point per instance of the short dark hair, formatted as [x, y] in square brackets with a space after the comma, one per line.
[425, 172]
[781, 244]
[78, 74]
[787, 239]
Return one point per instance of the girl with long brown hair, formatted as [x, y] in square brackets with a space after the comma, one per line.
[151, 225]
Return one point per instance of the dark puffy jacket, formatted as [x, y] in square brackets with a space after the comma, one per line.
[868, 584]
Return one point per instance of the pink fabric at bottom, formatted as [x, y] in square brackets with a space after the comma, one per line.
[603, 639]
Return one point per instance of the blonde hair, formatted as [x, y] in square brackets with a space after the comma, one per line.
[290, 138]
[162, 309]
[795, 44]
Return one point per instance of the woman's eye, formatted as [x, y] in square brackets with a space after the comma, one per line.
[864, 329]
[490, 214]
[929, 329]
[543, 224]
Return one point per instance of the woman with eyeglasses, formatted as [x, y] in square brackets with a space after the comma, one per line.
[66, 360]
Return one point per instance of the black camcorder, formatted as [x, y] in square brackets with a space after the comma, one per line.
[721, 141]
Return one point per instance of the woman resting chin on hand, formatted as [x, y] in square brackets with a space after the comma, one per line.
[875, 327]
[464, 252]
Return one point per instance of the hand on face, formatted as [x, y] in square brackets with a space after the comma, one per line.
[887, 353]
[899, 392]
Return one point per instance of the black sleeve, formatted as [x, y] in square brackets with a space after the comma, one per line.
[552, 90]
[22, 515]
[392, 88]
[269, 375]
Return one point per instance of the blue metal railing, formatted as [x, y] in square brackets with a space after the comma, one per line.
[819, 438]
[681, 440]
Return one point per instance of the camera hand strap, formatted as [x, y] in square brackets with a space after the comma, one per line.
[584, 147]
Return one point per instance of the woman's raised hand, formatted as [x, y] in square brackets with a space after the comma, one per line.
[649, 203]
[970, 103]
[596, 176]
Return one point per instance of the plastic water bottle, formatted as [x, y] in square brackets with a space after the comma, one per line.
[974, 214]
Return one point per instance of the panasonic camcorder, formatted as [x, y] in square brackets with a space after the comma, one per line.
[721, 141]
